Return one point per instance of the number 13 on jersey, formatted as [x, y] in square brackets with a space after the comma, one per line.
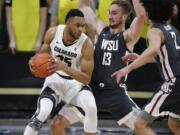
[107, 59]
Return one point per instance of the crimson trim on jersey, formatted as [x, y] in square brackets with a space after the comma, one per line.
[156, 102]
[164, 65]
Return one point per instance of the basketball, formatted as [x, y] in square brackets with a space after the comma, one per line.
[40, 63]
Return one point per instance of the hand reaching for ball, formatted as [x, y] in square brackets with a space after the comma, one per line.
[42, 65]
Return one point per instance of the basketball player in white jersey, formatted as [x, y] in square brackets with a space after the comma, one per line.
[73, 52]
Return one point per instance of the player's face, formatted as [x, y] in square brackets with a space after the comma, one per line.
[175, 11]
[116, 16]
[76, 27]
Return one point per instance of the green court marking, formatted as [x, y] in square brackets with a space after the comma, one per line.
[19, 91]
[140, 94]
[36, 91]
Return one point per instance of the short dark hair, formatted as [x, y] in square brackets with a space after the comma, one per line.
[125, 4]
[158, 10]
[73, 13]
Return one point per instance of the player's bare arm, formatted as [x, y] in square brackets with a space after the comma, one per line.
[47, 40]
[130, 57]
[90, 16]
[45, 48]
[87, 64]
[155, 38]
[11, 32]
[132, 34]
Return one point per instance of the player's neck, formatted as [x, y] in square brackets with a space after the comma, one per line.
[67, 38]
[118, 29]
[151, 23]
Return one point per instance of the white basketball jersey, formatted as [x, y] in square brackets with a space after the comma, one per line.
[68, 54]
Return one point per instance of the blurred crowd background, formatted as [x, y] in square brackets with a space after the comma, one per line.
[23, 23]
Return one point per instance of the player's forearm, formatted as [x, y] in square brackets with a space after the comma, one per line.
[90, 17]
[84, 3]
[92, 21]
[139, 10]
[147, 57]
[43, 18]
[77, 75]
[10, 24]
[54, 21]
[137, 24]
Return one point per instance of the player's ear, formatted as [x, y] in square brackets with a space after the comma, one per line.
[124, 17]
[69, 21]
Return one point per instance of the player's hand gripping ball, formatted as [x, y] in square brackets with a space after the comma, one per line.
[42, 65]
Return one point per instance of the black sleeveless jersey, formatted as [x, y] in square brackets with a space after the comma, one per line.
[109, 49]
[168, 58]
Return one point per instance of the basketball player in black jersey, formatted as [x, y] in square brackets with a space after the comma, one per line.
[164, 48]
[113, 42]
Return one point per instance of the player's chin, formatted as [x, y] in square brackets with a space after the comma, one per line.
[77, 35]
[112, 25]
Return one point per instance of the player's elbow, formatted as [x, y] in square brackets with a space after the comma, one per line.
[87, 81]
[141, 16]
[154, 52]
[141, 13]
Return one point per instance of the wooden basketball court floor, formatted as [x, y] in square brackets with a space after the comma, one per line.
[105, 127]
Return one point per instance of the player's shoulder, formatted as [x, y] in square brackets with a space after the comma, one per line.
[154, 31]
[52, 30]
[60, 26]
[106, 30]
[50, 34]
[88, 40]
[88, 44]
[83, 35]
[84, 38]
[87, 49]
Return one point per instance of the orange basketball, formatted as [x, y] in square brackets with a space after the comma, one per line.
[40, 63]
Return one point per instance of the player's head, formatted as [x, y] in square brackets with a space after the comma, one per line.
[175, 11]
[119, 12]
[158, 10]
[175, 20]
[75, 22]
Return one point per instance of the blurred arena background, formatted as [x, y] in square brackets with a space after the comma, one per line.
[19, 89]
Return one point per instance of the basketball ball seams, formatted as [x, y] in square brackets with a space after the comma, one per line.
[43, 73]
[35, 67]
[39, 64]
